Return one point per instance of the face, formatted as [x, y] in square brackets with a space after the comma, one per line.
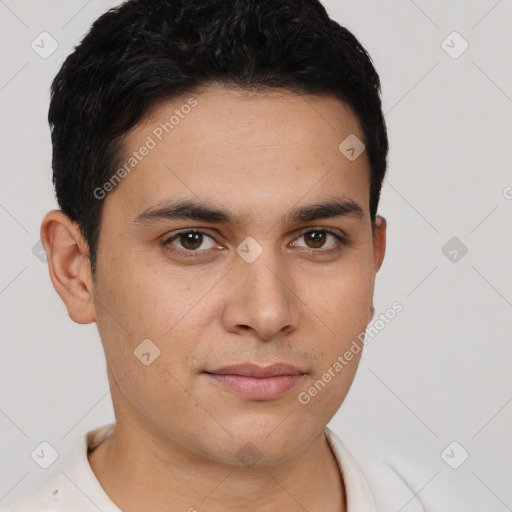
[248, 269]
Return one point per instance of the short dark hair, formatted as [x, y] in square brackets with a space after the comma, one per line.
[143, 52]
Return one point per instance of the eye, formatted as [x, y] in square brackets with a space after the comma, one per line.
[316, 238]
[189, 241]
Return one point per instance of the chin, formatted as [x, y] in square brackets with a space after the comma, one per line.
[261, 439]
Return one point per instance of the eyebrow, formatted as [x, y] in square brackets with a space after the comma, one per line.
[190, 209]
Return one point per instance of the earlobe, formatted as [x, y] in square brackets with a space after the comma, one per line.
[371, 314]
[379, 249]
[379, 241]
[68, 264]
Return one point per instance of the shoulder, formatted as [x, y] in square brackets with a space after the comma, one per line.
[72, 486]
[416, 484]
[395, 485]
[48, 496]
[387, 488]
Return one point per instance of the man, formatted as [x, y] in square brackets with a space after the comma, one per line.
[218, 167]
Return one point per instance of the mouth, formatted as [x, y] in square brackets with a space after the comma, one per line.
[257, 383]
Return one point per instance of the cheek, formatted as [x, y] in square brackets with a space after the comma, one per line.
[152, 302]
[343, 306]
[139, 322]
[342, 299]
[329, 385]
[148, 299]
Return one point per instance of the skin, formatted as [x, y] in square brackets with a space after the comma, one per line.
[258, 156]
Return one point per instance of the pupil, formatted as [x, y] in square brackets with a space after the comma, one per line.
[191, 240]
[318, 238]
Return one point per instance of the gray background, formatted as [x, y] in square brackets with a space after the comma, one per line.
[439, 372]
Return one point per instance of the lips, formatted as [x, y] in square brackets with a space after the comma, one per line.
[256, 383]
[253, 370]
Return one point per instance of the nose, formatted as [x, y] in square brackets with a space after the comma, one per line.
[260, 301]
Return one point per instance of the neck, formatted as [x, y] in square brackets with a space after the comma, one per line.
[138, 473]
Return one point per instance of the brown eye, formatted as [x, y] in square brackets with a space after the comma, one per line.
[316, 239]
[190, 241]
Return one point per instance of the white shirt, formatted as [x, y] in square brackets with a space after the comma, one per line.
[74, 487]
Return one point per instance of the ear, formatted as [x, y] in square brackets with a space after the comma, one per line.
[379, 241]
[379, 249]
[68, 264]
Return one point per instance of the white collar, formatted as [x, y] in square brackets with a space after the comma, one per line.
[357, 489]
[75, 486]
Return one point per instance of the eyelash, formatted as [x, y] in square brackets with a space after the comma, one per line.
[166, 243]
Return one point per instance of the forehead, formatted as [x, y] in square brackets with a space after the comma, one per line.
[253, 149]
